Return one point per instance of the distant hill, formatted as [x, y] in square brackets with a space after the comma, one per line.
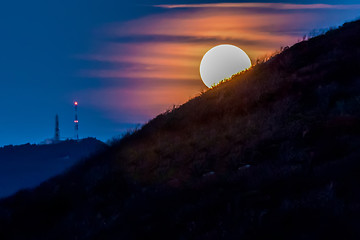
[272, 154]
[28, 165]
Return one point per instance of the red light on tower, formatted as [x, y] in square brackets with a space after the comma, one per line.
[76, 121]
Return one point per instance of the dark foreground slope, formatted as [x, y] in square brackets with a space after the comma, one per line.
[272, 154]
[28, 165]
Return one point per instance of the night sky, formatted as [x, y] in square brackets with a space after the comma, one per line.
[127, 61]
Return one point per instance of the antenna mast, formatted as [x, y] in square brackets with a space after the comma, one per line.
[76, 121]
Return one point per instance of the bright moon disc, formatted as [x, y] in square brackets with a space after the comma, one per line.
[222, 62]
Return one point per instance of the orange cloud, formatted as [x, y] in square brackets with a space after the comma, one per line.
[155, 59]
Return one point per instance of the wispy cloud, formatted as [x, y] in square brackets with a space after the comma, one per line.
[183, 39]
[149, 64]
[283, 6]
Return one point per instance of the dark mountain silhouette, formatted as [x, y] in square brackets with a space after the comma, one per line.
[272, 154]
[28, 165]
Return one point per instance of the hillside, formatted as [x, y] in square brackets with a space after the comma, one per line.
[28, 165]
[271, 154]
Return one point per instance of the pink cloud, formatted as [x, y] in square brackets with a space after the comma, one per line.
[138, 104]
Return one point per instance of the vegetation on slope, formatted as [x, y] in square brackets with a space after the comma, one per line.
[272, 153]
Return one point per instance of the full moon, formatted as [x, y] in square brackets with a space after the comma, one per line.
[222, 62]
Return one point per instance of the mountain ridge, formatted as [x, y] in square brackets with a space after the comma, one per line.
[27, 165]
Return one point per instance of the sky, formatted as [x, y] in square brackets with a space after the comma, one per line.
[127, 61]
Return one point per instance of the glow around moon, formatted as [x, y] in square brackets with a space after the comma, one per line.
[222, 62]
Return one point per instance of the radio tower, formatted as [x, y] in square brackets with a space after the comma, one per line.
[57, 129]
[76, 121]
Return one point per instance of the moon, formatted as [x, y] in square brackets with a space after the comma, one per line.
[221, 62]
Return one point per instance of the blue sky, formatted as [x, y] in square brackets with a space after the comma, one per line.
[55, 52]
